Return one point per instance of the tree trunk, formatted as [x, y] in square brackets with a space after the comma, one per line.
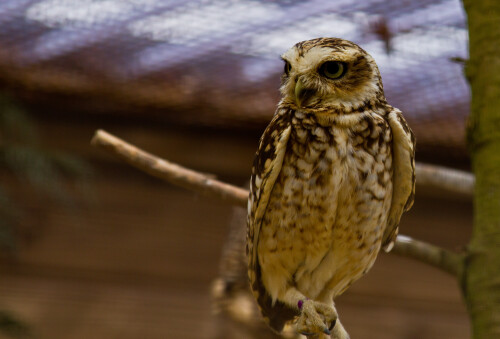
[481, 279]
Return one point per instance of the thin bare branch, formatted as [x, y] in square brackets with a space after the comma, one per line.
[187, 178]
[169, 171]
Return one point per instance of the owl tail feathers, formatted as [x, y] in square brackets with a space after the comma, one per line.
[276, 314]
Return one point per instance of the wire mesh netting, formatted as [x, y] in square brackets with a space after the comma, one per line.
[217, 62]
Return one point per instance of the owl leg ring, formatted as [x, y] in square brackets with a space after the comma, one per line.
[315, 317]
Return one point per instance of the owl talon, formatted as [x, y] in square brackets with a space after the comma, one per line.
[314, 318]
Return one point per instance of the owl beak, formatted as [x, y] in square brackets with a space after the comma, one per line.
[302, 94]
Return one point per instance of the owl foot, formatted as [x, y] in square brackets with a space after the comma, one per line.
[315, 318]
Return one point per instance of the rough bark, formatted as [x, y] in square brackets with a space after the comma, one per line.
[481, 280]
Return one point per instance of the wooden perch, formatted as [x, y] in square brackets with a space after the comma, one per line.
[436, 176]
[448, 179]
[168, 171]
[430, 254]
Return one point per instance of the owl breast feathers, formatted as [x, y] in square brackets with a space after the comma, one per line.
[333, 173]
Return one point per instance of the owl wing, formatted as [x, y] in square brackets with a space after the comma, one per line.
[265, 171]
[403, 178]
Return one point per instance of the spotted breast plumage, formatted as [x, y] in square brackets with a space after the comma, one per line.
[333, 173]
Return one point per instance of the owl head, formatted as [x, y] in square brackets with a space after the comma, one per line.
[330, 74]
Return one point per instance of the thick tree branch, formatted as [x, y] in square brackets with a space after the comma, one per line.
[448, 179]
[430, 254]
[184, 177]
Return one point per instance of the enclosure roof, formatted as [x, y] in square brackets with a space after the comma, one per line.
[217, 62]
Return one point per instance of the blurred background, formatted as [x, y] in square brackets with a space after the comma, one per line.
[91, 248]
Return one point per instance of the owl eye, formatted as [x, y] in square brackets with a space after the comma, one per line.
[288, 67]
[333, 69]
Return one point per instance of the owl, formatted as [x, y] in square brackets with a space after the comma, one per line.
[333, 173]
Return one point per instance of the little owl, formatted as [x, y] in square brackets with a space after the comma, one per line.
[333, 173]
